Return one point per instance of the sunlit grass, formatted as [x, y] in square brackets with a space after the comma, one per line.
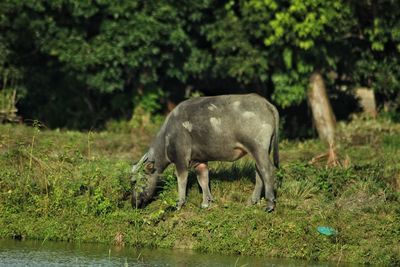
[67, 185]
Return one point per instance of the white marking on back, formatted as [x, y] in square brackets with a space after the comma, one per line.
[187, 125]
[212, 107]
[236, 104]
[248, 115]
[216, 124]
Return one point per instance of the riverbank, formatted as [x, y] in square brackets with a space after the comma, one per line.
[72, 186]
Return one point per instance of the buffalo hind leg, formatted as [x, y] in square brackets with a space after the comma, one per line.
[255, 197]
[203, 179]
[265, 170]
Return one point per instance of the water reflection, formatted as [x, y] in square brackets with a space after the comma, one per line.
[34, 253]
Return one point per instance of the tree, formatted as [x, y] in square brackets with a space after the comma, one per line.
[281, 42]
[105, 47]
[95, 60]
[323, 116]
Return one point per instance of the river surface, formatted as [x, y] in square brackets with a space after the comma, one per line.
[35, 253]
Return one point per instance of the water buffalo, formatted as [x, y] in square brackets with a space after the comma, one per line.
[218, 128]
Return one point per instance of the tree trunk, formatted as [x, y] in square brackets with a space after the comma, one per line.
[323, 116]
[367, 101]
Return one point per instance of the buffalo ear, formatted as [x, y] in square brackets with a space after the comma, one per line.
[149, 167]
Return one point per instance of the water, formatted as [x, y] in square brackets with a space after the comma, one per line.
[34, 253]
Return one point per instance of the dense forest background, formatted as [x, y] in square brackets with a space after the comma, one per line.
[79, 64]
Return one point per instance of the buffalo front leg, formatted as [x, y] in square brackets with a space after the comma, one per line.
[203, 179]
[182, 175]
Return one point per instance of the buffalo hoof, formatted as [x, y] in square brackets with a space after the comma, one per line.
[252, 202]
[180, 204]
[270, 207]
[205, 205]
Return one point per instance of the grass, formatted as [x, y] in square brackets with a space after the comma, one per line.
[74, 186]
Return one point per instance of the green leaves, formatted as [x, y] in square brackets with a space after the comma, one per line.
[287, 57]
[290, 89]
[303, 23]
[80, 52]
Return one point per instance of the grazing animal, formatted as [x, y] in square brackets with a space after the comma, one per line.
[217, 128]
